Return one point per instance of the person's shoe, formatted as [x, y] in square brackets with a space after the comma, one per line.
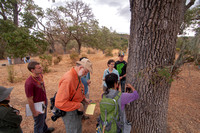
[84, 117]
[50, 130]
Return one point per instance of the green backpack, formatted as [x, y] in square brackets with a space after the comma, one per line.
[109, 110]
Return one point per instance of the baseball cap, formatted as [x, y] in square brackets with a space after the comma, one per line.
[86, 64]
[121, 53]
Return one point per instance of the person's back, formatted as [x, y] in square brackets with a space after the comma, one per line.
[121, 99]
[109, 108]
[10, 119]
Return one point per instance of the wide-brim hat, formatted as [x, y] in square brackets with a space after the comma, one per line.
[4, 92]
[86, 64]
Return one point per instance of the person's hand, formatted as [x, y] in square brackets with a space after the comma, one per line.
[87, 101]
[36, 113]
[130, 86]
[17, 112]
[88, 82]
[81, 108]
[120, 77]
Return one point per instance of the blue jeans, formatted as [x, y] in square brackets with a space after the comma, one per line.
[40, 125]
[123, 85]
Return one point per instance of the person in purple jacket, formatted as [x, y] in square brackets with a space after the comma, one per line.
[125, 98]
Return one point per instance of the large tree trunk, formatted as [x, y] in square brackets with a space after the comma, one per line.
[154, 28]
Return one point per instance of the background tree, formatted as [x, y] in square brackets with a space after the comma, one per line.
[16, 19]
[60, 25]
[80, 18]
[189, 47]
[153, 34]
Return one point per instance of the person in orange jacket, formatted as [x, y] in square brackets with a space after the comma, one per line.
[70, 96]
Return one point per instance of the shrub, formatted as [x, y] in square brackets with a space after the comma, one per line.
[90, 51]
[57, 60]
[108, 52]
[74, 57]
[11, 73]
[83, 55]
[46, 61]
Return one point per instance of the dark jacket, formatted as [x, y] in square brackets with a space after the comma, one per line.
[9, 120]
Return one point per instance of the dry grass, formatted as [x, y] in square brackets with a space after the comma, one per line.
[184, 104]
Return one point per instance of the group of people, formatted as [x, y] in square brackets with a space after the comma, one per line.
[25, 59]
[72, 98]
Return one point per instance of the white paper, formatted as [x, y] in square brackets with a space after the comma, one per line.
[39, 106]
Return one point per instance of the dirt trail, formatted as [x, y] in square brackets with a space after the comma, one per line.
[184, 103]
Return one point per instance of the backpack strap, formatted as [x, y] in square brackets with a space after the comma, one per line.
[115, 99]
[76, 89]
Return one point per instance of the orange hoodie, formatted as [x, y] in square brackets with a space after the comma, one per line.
[67, 88]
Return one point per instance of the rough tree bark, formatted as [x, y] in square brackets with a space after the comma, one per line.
[15, 13]
[154, 28]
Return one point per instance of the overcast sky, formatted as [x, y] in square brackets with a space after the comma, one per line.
[113, 14]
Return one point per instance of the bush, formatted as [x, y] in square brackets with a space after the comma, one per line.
[108, 52]
[46, 61]
[83, 55]
[11, 73]
[90, 52]
[74, 56]
[57, 60]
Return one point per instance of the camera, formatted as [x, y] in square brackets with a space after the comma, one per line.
[129, 90]
[58, 113]
[79, 112]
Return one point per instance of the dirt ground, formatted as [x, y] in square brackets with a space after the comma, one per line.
[184, 103]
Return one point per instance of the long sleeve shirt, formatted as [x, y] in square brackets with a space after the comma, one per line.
[70, 93]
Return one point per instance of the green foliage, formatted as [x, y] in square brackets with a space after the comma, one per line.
[165, 73]
[6, 26]
[46, 61]
[17, 40]
[191, 18]
[19, 43]
[40, 42]
[11, 73]
[29, 20]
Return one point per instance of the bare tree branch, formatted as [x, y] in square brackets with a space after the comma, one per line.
[189, 5]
